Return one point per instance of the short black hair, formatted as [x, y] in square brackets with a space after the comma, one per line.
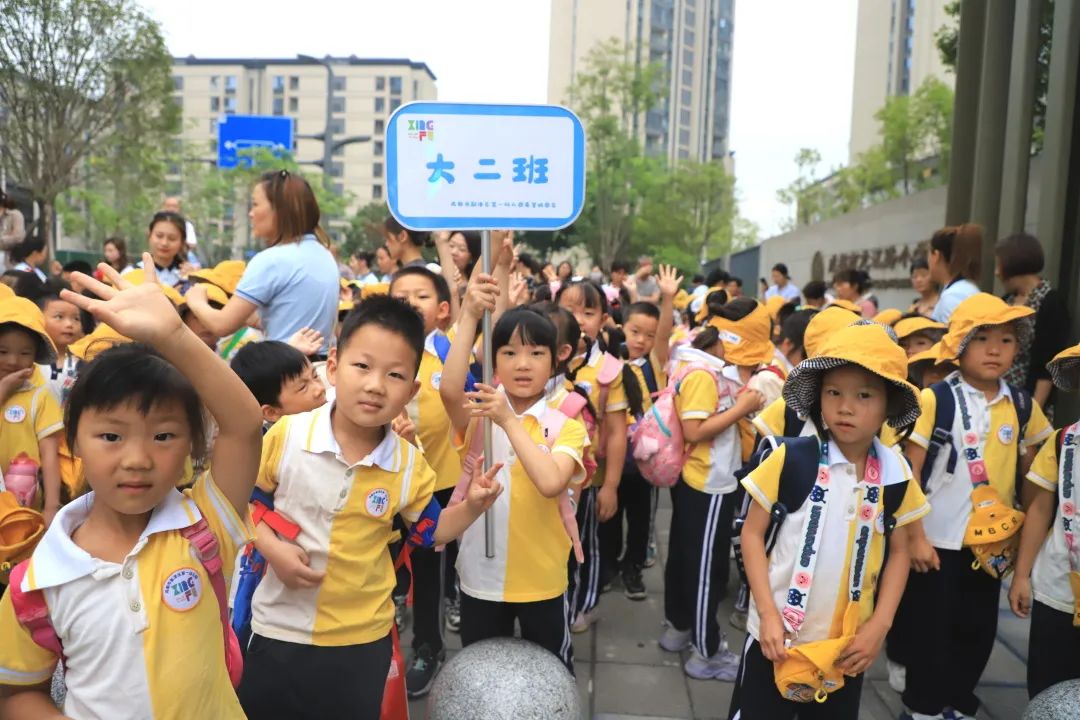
[620, 266]
[530, 262]
[30, 245]
[442, 288]
[919, 263]
[367, 257]
[78, 266]
[535, 327]
[419, 238]
[389, 313]
[718, 276]
[698, 279]
[134, 373]
[266, 366]
[786, 310]
[735, 279]
[1019, 254]
[859, 279]
[782, 269]
[793, 329]
[642, 308]
[814, 290]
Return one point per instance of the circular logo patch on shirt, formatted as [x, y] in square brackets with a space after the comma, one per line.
[436, 380]
[182, 590]
[378, 502]
[1005, 434]
[15, 414]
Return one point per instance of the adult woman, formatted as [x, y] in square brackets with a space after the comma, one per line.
[458, 253]
[293, 283]
[12, 226]
[166, 240]
[922, 283]
[1019, 260]
[115, 252]
[955, 257]
[404, 244]
[30, 255]
[387, 265]
[566, 272]
[854, 286]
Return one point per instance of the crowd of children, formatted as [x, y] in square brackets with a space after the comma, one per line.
[193, 482]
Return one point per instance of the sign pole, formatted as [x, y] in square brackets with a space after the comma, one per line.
[485, 265]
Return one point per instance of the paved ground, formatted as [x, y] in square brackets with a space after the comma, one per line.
[624, 675]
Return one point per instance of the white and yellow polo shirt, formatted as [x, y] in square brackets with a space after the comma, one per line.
[710, 467]
[32, 414]
[346, 514]
[143, 638]
[432, 423]
[1050, 574]
[531, 544]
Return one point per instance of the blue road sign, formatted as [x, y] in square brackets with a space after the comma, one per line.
[243, 132]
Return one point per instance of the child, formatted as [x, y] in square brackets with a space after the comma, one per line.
[924, 369]
[791, 350]
[823, 594]
[63, 324]
[814, 294]
[127, 597]
[853, 286]
[541, 451]
[599, 374]
[1046, 585]
[217, 299]
[696, 573]
[432, 572]
[32, 416]
[280, 377]
[322, 615]
[30, 255]
[972, 481]
[918, 334]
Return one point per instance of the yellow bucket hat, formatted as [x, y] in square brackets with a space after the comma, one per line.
[225, 275]
[867, 345]
[929, 356]
[912, 325]
[6, 292]
[20, 311]
[214, 294]
[1065, 369]
[979, 311]
[773, 305]
[746, 341]
[823, 324]
[682, 300]
[847, 305]
[374, 289]
[888, 317]
[138, 277]
[90, 346]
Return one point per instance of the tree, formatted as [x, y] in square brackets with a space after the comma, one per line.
[86, 85]
[687, 210]
[916, 128]
[804, 194]
[365, 231]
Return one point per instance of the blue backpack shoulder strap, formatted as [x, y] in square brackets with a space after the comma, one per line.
[941, 437]
[1022, 400]
[796, 481]
[793, 424]
[442, 349]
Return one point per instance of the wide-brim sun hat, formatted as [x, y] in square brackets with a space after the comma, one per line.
[682, 300]
[774, 304]
[846, 305]
[20, 311]
[90, 346]
[747, 341]
[823, 324]
[979, 311]
[889, 316]
[911, 325]
[1065, 369]
[700, 305]
[867, 346]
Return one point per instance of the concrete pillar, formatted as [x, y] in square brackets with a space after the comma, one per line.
[1018, 117]
[969, 54]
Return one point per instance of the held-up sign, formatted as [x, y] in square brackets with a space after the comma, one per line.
[485, 167]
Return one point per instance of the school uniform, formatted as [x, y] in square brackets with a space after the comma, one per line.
[756, 695]
[957, 606]
[60, 378]
[697, 569]
[1053, 642]
[133, 646]
[325, 651]
[526, 579]
[30, 415]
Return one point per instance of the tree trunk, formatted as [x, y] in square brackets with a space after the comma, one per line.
[46, 221]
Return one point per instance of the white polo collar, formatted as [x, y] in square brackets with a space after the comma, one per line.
[687, 353]
[892, 471]
[1003, 390]
[321, 440]
[429, 342]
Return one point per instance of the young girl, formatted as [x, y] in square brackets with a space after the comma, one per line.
[165, 240]
[599, 375]
[118, 567]
[404, 244]
[815, 625]
[854, 287]
[115, 253]
[541, 455]
[1046, 584]
[64, 326]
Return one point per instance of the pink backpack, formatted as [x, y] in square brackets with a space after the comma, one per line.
[573, 405]
[32, 611]
[657, 439]
[553, 423]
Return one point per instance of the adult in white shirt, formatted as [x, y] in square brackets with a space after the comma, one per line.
[782, 284]
[955, 258]
[173, 204]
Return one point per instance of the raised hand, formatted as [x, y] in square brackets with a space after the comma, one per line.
[669, 280]
[307, 341]
[481, 294]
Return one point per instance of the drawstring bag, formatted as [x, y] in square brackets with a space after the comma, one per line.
[993, 532]
[808, 672]
[20, 530]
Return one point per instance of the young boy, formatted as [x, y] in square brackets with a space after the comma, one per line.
[63, 324]
[322, 615]
[957, 580]
[32, 417]
[790, 348]
[280, 377]
[429, 294]
[918, 334]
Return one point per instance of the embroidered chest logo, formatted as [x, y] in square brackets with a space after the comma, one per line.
[182, 590]
[15, 414]
[436, 380]
[378, 502]
[1005, 434]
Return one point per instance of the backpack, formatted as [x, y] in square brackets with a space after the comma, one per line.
[32, 611]
[793, 489]
[941, 437]
[659, 448]
[574, 403]
[442, 349]
[552, 425]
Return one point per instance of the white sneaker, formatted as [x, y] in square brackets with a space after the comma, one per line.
[584, 621]
[908, 715]
[674, 640]
[897, 676]
[723, 666]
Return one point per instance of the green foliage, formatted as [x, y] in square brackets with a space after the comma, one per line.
[687, 210]
[365, 230]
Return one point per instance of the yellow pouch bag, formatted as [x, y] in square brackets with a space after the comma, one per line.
[993, 532]
[1074, 581]
[20, 530]
[807, 673]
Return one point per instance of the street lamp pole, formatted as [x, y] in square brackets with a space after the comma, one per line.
[328, 131]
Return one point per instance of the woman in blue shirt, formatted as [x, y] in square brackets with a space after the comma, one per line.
[955, 256]
[294, 282]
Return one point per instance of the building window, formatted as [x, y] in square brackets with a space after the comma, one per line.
[230, 106]
[337, 104]
[395, 85]
[294, 82]
[177, 82]
[278, 84]
[376, 192]
[377, 148]
[294, 104]
[213, 125]
[380, 105]
[686, 97]
[376, 170]
[338, 83]
[380, 83]
[279, 106]
[689, 16]
[684, 137]
[379, 127]
[395, 103]
[688, 77]
[215, 104]
[179, 100]
[230, 83]
[337, 126]
[215, 82]
[684, 153]
[688, 57]
[688, 36]
[684, 117]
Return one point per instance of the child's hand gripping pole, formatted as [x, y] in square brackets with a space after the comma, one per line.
[485, 264]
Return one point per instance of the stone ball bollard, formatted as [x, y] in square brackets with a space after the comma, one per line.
[504, 679]
[1058, 702]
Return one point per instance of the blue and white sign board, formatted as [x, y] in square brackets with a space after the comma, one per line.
[485, 167]
[244, 132]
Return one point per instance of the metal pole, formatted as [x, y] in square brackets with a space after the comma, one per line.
[966, 111]
[489, 371]
[1018, 117]
[328, 133]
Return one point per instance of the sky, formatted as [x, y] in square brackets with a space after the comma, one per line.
[792, 68]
